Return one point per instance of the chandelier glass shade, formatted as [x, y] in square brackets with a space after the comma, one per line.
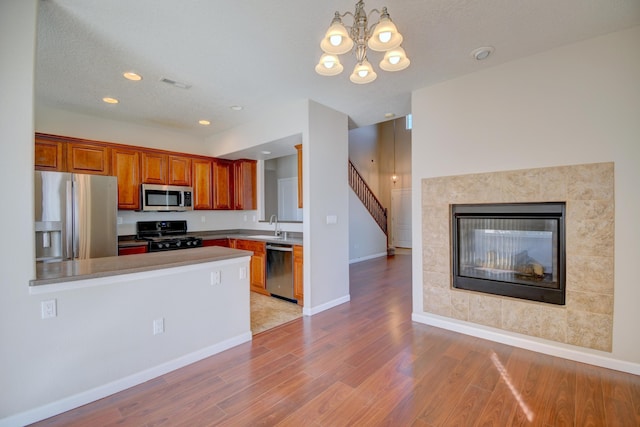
[381, 36]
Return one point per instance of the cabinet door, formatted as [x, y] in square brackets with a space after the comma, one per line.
[298, 274]
[130, 250]
[222, 184]
[126, 166]
[88, 158]
[49, 155]
[299, 149]
[179, 170]
[154, 168]
[258, 265]
[216, 242]
[202, 180]
[244, 177]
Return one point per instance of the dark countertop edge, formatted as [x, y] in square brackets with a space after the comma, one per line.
[137, 263]
[130, 240]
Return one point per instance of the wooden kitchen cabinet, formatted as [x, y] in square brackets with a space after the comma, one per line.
[244, 180]
[85, 157]
[216, 242]
[154, 167]
[299, 149]
[298, 273]
[179, 170]
[202, 184]
[258, 265]
[165, 169]
[130, 250]
[49, 155]
[126, 166]
[222, 184]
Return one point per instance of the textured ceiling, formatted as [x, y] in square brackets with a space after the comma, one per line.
[260, 54]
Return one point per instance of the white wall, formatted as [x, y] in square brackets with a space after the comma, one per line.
[18, 311]
[324, 139]
[571, 105]
[61, 122]
[366, 239]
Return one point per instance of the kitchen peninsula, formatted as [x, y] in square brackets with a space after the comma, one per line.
[69, 271]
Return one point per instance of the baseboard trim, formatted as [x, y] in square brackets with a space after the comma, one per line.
[326, 306]
[564, 351]
[77, 400]
[368, 257]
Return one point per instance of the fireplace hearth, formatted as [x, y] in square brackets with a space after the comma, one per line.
[513, 249]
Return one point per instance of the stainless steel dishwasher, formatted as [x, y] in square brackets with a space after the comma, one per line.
[280, 271]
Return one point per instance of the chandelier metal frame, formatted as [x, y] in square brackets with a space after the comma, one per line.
[381, 36]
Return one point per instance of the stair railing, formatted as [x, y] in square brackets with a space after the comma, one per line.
[369, 200]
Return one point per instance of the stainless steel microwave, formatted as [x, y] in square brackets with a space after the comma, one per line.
[166, 198]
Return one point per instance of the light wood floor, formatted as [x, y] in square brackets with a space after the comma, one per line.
[365, 363]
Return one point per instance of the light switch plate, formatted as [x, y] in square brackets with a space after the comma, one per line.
[48, 309]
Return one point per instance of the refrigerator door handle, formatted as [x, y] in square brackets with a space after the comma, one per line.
[70, 232]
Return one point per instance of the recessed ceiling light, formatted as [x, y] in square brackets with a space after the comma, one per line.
[389, 115]
[482, 53]
[265, 152]
[109, 100]
[130, 75]
[236, 107]
[204, 122]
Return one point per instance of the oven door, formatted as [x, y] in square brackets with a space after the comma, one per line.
[165, 198]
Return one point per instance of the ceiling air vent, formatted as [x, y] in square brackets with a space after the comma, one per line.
[175, 83]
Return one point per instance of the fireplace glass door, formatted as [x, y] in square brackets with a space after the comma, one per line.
[513, 250]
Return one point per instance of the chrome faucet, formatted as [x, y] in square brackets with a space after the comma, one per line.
[272, 220]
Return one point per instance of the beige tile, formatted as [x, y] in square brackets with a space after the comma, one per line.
[590, 302]
[434, 191]
[553, 184]
[524, 318]
[589, 330]
[437, 280]
[460, 305]
[590, 274]
[553, 324]
[436, 259]
[521, 186]
[590, 238]
[485, 310]
[438, 301]
[590, 210]
[591, 182]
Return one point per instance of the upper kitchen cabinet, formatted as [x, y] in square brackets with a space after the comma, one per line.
[49, 155]
[161, 168]
[87, 157]
[244, 178]
[126, 166]
[222, 184]
[202, 184]
[179, 170]
[154, 167]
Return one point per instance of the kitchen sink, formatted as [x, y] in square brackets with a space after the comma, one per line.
[265, 236]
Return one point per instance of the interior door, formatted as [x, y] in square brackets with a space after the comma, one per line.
[401, 217]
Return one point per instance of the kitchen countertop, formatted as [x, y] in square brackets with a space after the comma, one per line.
[265, 236]
[67, 271]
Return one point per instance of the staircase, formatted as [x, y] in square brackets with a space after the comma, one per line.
[369, 200]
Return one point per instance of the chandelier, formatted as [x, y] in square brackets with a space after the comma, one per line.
[381, 36]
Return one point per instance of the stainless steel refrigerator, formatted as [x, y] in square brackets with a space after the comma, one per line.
[75, 216]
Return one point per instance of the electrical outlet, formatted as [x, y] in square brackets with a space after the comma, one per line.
[203, 219]
[243, 272]
[158, 326]
[120, 220]
[48, 309]
[215, 277]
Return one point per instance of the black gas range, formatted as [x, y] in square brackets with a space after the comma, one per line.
[166, 235]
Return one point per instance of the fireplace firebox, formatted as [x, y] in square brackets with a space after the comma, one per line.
[511, 249]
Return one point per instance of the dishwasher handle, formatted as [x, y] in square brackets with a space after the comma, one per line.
[280, 248]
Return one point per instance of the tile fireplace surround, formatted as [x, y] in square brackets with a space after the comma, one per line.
[588, 190]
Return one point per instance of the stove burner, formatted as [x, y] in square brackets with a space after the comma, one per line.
[166, 235]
